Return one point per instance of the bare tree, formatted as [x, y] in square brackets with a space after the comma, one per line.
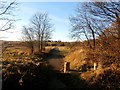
[94, 20]
[82, 24]
[42, 27]
[6, 13]
[91, 19]
[109, 12]
[28, 37]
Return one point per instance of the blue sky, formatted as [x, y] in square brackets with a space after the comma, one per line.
[58, 12]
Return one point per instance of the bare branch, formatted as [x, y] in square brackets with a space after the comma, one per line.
[93, 18]
[40, 24]
[6, 10]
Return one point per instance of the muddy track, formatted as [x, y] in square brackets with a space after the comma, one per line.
[55, 59]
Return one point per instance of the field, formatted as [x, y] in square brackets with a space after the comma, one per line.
[22, 70]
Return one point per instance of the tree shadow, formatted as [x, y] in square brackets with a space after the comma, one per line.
[72, 80]
[44, 77]
[40, 77]
[52, 54]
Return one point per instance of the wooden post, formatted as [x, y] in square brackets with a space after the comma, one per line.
[66, 67]
[95, 65]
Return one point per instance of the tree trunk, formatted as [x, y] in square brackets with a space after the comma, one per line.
[38, 46]
[32, 50]
[118, 28]
[41, 44]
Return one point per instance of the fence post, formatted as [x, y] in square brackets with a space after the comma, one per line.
[66, 66]
[95, 66]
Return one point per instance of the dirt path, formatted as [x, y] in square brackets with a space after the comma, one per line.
[55, 59]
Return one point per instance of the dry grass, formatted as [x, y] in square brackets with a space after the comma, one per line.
[87, 76]
[76, 58]
[14, 53]
[17, 57]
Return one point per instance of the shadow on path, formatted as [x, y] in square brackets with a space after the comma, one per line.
[42, 76]
[54, 58]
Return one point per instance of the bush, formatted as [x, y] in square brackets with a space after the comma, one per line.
[53, 44]
[62, 44]
[109, 80]
[27, 75]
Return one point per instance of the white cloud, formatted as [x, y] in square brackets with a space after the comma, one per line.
[27, 10]
[52, 0]
[58, 19]
[13, 34]
[68, 0]
[10, 35]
